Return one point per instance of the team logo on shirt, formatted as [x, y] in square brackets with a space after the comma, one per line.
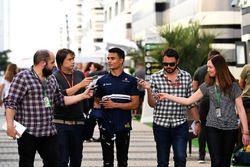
[107, 84]
[125, 80]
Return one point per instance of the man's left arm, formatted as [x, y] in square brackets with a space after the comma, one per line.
[195, 114]
[68, 100]
[193, 109]
[83, 84]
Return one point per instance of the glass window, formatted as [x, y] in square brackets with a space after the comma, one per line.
[122, 5]
[116, 8]
[110, 13]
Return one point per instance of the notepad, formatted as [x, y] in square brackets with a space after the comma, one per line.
[193, 128]
[19, 128]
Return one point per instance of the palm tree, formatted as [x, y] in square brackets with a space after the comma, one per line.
[4, 59]
[191, 42]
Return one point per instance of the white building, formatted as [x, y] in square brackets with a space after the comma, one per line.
[117, 14]
[215, 16]
[93, 20]
[71, 28]
[4, 24]
[244, 5]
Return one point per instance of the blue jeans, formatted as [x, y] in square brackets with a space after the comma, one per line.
[70, 143]
[175, 136]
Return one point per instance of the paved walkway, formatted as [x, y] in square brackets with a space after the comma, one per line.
[142, 151]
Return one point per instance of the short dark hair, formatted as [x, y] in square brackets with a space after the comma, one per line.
[119, 52]
[170, 52]
[98, 66]
[41, 55]
[61, 55]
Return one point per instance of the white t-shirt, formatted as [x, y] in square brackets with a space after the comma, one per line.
[6, 88]
[5, 91]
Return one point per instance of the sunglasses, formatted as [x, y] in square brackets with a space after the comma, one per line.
[169, 64]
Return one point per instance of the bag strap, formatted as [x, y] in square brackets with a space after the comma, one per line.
[238, 147]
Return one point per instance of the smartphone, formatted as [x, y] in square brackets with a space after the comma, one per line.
[95, 77]
[93, 87]
[138, 79]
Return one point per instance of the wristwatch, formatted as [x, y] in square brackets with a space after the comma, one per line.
[197, 122]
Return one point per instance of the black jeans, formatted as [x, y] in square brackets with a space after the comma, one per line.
[221, 145]
[203, 110]
[70, 145]
[122, 146]
[46, 147]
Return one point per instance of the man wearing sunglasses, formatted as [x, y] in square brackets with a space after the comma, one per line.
[170, 124]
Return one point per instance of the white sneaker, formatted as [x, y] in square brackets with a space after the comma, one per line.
[201, 161]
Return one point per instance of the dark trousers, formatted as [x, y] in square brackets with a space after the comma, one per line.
[122, 145]
[141, 99]
[70, 142]
[175, 136]
[203, 110]
[221, 145]
[46, 147]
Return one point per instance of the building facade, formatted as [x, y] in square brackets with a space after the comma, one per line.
[4, 24]
[117, 20]
[217, 17]
[244, 5]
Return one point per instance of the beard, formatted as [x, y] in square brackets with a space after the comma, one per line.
[170, 70]
[46, 72]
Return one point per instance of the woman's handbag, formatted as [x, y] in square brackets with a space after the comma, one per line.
[246, 102]
[241, 157]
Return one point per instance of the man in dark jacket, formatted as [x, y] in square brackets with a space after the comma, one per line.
[69, 120]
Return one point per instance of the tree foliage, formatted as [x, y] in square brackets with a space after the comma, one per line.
[137, 57]
[4, 59]
[191, 42]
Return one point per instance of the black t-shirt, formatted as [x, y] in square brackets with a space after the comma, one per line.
[75, 111]
[200, 74]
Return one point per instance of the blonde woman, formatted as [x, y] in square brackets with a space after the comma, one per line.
[9, 74]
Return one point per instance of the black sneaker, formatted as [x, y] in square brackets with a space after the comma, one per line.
[91, 140]
[96, 140]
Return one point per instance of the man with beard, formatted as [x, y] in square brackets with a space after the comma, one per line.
[170, 124]
[32, 96]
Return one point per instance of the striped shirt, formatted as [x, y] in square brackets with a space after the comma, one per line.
[26, 97]
[168, 113]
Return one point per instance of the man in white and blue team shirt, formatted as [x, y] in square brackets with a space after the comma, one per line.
[117, 95]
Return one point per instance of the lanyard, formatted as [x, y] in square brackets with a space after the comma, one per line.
[217, 96]
[72, 79]
[44, 83]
